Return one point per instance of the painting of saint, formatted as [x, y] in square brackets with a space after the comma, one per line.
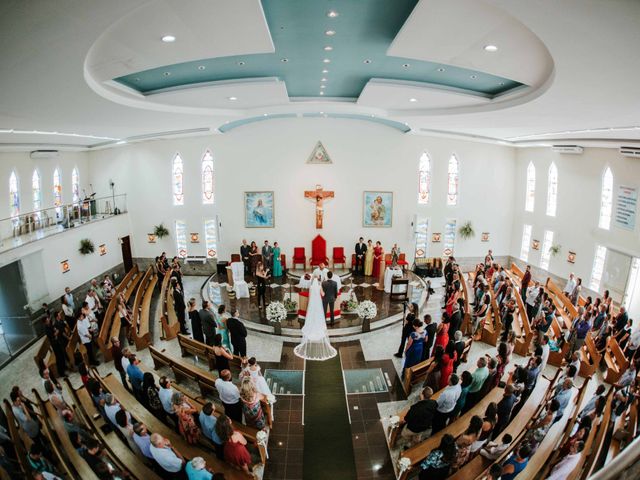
[378, 209]
[259, 210]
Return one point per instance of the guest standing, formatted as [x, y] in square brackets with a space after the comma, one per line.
[235, 450]
[267, 255]
[238, 333]
[196, 324]
[221, 354]
[208, 322]
[244, 255]
[415, 344]
[179, 306]
[229, 396]
[377, 258]
[407, 327]
[368, 259]
[221, 326]
[277, 264]
[262, 275]
[254, 257]
[251, 404]
[361, 250]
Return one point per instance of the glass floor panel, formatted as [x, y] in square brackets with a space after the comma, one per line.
[370, 380]
[285, 382]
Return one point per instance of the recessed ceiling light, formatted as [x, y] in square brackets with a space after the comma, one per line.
[166, 74]
[284, 60]
[406, 65]
[321, 93]
[323, 86]
[328, 48]
[441, 69]
[330, 33]
[168, 39]
[332, 14]
[413, 99]
[367, 61]
[121, 142]
[490, 48]
[323, 79]
[321, 113]
[325, 71]
[233, 99]
[473, 77]
[240, 63]
[201, 67]
[326, 60]
[373, 116]
[265, 114]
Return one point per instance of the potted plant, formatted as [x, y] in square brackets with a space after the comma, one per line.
[554, 250]
[366, 310]
[466, 231]
[290, 304]
[86, 246]
[160, 231]
[276, 313]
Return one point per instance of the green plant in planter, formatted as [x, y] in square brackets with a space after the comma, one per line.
[160, 231]
[86, 246]
[466, 231]
[554, 250]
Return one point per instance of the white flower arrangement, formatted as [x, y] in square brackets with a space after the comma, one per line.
[394, 421]
[367, 309]
[276, 312]
[261, 437]
[404, 463]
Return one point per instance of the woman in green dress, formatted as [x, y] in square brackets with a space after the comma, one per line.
[221, 327]
[277, 266]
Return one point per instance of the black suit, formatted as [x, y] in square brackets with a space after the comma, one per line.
[179, 306]
[208, 322]
[244, 255]
[330, 289]
[238, 333]
[361, 250]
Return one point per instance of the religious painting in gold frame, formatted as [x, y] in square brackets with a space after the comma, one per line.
[377, 209]
[259, 210]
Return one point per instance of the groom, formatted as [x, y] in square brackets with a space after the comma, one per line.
[330, 288]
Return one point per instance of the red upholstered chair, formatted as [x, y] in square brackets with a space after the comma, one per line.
[339, 257]
[402, 261]
[299, 257]
[387, 259]
[318, 251]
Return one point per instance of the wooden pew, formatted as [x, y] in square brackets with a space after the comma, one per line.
[46, 357]
[563, 302]
[168, 318]
[141, 309]
[624, 431]
[590, 462]
[416, 374]
[53, 428]
[74, 345]
[116, 449]
[589, 357]
[615, 361]
[493, 323]
[189, 346]
[18, 439]
[140, 413]
[555, 332]
[466, 311]
[523, 342]
[419, 452]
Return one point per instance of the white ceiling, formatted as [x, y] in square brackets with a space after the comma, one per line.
[46, 47]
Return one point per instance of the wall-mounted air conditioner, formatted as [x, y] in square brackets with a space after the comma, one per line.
[570, 149]
[39, 154]
[633, 152]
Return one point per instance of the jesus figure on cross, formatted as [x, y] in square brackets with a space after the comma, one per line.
[318, 195]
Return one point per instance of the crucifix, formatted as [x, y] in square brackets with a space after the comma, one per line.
[318, 195]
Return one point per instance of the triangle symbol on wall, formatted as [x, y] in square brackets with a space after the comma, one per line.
[319, 155]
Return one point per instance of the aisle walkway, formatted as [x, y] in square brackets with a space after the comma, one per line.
[328, 451]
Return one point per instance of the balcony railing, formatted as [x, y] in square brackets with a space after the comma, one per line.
[32, 226]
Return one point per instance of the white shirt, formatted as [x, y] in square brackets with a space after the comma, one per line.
[166, 458]
[92, 302]
[83, 330]
[564, 468]
[448, 398]
[322, 273]
[532, 294]
[124, 361]
[570, 286]
[165, 395]
[227, 391]
[68, 311]
[111, 410]
[634, 340]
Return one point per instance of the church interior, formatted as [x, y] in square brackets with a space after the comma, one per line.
[319, 239]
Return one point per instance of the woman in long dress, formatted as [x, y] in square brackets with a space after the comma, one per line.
[377, 257]
[315, 343]
[368, 259]
[254, 257]
[277, 266]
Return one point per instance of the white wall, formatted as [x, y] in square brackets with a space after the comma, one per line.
[575, 225]
[272, 155]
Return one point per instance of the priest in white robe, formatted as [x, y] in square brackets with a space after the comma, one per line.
[321, 272]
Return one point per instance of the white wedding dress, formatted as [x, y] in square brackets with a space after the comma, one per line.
[315, 340]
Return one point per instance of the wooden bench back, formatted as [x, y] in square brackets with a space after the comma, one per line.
[45, 357]
[141, 307]
[415, 374]
[563, 302]
[591, 461]
[168, 318]
[189, 346]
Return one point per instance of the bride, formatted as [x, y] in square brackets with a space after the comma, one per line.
[315, 341]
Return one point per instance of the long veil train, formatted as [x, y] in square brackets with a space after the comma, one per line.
[315, 340]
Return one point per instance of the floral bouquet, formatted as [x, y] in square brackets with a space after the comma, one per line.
[276, 312]
[290, 305]
[367, 310]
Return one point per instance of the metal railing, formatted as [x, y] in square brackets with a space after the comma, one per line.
[32, 226]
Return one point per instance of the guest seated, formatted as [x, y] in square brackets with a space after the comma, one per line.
[494, 450]
[417, 419]
[516, 463]
[167, 457]
[196, 469]
[438, 463]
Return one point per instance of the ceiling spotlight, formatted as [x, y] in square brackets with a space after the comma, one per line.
[330, 33]
[323, 86]
[233, 99]
[413, 99]
[265, 114]
[323, 79]
[240, 63]
[284, 60]
[441, 69]
[332, 14]
[473, 77]
[201, 67]
[168, 39]
[406, 65]
[321, 113]
[490, 48]
[326, 60]
[166, 74]
[328, 48]
[367, 61]
[325, 71]
[321, 93]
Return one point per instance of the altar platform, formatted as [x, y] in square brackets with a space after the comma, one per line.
[218, 291]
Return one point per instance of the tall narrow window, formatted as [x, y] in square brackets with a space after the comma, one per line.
[177, 172]
[36, 189]
[211, 238]
[449, 236]
[14, 198]
[75, 185]
[181, 238]
[207, 178]
[526, 242]
[598, 267]
[552, 190]
[547, 242]
[422, 241]
[606, 200]
[424, 179]
[530, 199]
[57, 193]
[452, 182]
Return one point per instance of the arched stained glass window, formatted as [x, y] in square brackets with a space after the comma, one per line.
[207, 178]
[57, 193]
[530, 199]
[606, 200]
[552, 190]
[177, 173]
[424, 179]
[452, 181]
[14, 197]
[75, 185]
